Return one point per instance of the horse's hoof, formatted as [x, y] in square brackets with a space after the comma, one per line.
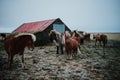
[70, 58]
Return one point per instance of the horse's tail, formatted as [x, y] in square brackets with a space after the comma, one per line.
[78, 50]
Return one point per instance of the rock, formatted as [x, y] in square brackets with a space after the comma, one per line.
[35, 61]
[46, 51]
[47, 68]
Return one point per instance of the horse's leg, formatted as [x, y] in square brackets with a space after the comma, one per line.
[70, 54]
[79, 46]
[76, 52]
[66, 51]
[100, 42]
[61, 47]
[95, 42]
[81, 41]
[9, 57]
[104, 42]
[22, 58]
[11, 60]
[57, 49]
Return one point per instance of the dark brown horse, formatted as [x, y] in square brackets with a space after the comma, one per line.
[87, 37]
[102, 38]
[71, 44]
[58, 39]
[2, 35]
[16, 45]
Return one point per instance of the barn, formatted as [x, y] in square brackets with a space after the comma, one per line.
[41, 29]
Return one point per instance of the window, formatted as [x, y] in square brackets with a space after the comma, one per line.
[59, 27]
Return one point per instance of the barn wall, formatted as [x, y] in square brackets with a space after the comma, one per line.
[42, 38]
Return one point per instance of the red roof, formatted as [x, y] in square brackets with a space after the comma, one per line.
[34, 26]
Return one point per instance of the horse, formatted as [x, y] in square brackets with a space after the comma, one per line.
[87, 36]
[101, 38]
[16, 44]
[75, 35]
[58, 39]
[2, 35]
[71, 44]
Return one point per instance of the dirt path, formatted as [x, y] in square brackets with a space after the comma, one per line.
[93, 63]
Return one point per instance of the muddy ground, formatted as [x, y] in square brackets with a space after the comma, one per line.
[93, 63]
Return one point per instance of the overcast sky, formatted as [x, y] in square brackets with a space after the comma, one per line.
[86, 15]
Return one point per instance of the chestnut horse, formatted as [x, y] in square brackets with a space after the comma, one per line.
[16, 44]
[58, 39]
[101, 38]
[71, 44]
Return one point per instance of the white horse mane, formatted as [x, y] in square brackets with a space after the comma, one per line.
[54, 32]
[67, 33]
[32, 35]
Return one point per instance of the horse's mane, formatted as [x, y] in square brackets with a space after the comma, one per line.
[54, 31]
[30, 34]
[67, 34]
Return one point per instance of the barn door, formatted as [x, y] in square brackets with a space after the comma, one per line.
[59, 27]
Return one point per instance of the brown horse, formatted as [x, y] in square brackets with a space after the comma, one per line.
[87, 37]
[71, 44]
[101, 38]
[16, 45]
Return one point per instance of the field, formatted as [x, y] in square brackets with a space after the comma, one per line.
[91, 63]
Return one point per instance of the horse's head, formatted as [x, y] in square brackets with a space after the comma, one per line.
[30, 45]
[52, 35]
[94, 36]
[67, 34]
[28, 40]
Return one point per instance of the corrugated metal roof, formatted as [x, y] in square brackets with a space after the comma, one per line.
[34, 26]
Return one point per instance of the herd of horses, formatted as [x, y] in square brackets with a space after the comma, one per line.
[72, 43]
[15, 44]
